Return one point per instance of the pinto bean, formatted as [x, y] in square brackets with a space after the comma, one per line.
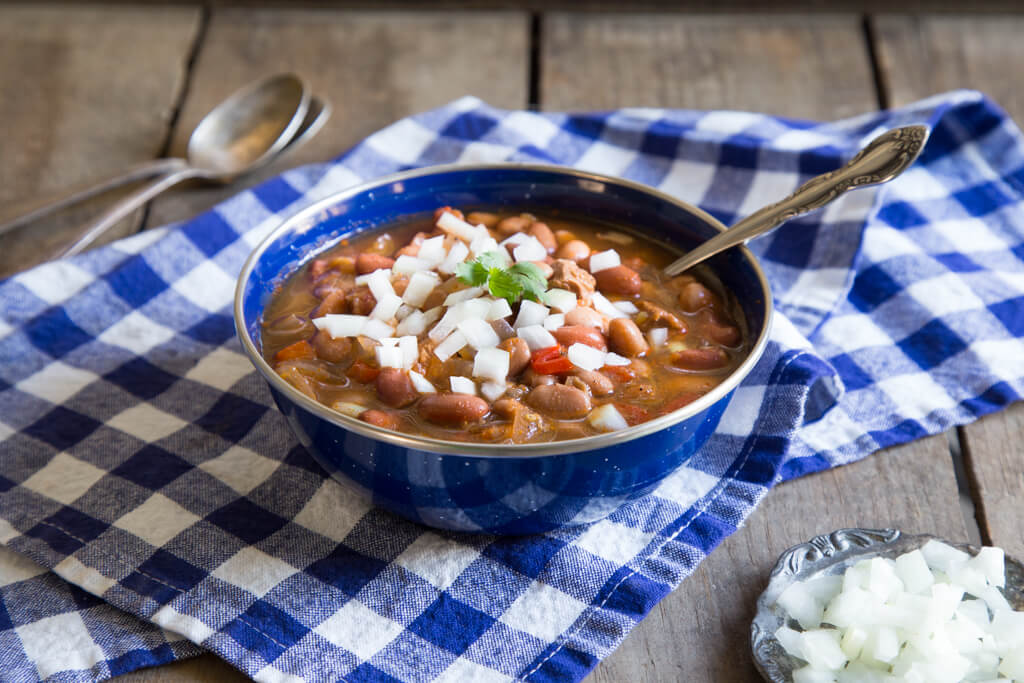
[625, 338]
[695, 296]
[536, 379]
[360, 300]
[334, 302]
[484, 218]
[587, 317]
[574, 250]
[700, 359]
[395, 388]
[564, 236]
[518, 355]
[513, 224]
[331, 350]
[599, 384]
[580, 334]
[452, 409]
[716, 329]
[381, 418]
[544, 235]
[367, 262]
[620, 280]
[560, 401]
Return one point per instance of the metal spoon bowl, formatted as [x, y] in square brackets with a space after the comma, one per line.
[880, 161]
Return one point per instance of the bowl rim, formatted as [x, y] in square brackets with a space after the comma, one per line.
[486, 450]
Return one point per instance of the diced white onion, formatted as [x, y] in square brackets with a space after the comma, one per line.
[415, 323]
[561, 300]
[406, 265]
[479, 333]
[387, 306]
[379, 282]
[348, 408]
[410, 350]
[388, 341]
[366, 277]
[606, 418]
[389, 356]
[602, 305]
[432, 251]
[456, 255]
[585, 357]
[377, 329]
[554, 321]
[536, 337]
[492, 391]
[452, 344]
[342, 324]
[530, 249]
[499, 309]
[421, 383]
[627, 307]
[465, 310]
[463, 385]
[491, 363]
[530, 313]
[615, 359]
[484, 243]
[404, 311]
[454, 225]
[604, 259]
[617, 237]
[658, 336]
[421, 284]
[463, 295]
[516, 239]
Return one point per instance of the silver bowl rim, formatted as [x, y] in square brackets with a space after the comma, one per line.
[317, 212]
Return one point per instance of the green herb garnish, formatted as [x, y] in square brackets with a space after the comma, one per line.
[522, 280]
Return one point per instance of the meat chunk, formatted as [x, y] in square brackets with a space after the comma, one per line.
[565, 274]
[660, 315]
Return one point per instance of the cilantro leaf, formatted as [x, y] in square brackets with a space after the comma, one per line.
[472, 273]
[532, 279]
[505, 285]
[491, 260]
[517, 281]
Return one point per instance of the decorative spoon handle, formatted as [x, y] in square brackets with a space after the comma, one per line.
[883, 159]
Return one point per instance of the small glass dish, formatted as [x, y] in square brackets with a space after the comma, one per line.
[831, 554]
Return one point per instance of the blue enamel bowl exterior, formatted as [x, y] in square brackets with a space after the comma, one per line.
[501, 489]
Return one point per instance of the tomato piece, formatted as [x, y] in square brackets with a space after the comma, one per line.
[619, 373]
[363, 372]
[634, 414]
[300, 349]
[550, 361]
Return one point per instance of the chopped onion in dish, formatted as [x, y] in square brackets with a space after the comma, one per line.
[554, 321]
[388, 341]
[379, 282]
[615, 359]
[421, 284]
[530, 313]
[387, 306]
[463, 385]
[492, 391]
[627, 307]
[348, 408]
[530, 249]
[415, 323]
[617, 237]
[454, 343]
[602, 305]
[491, 363]
[453, 225]
[586, 357]
[562, 300]
[604, 259]
[516, 239]
[404, 311]
[389, 356]
[410, 350]
[658, 336]
[342, 324]
[463, 295]
[432, 251]
[407, 265]
[484, 243]
[421, 383]
[607, 418]
[479, 333]
[536, 337]
[499, 309]
[456, 255]
[465, 310]
[377, 329]
[921, 617]
[365, 278]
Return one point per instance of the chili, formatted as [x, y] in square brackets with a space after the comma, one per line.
[550, 361]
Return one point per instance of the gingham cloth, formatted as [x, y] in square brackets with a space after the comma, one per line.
[141, 459]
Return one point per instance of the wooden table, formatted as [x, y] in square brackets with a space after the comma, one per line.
[89, 90]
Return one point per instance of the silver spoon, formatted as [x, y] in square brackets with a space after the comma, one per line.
[880, 161]
[242, 133]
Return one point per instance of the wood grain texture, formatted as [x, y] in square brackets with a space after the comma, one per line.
[806, 67]
[920, 56]
[87, 91]
[801, 66]
[374, 68]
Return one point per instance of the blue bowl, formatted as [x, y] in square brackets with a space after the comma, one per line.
[499, 489]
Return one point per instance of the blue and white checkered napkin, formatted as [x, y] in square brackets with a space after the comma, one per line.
[140, 458]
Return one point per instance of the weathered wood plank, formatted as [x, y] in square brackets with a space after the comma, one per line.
[88, 91]
[374, 67]
[796, 66]
[920, 56]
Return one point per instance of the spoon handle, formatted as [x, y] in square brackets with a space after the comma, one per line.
[20, 213]
[881, 160]
[126, 206]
